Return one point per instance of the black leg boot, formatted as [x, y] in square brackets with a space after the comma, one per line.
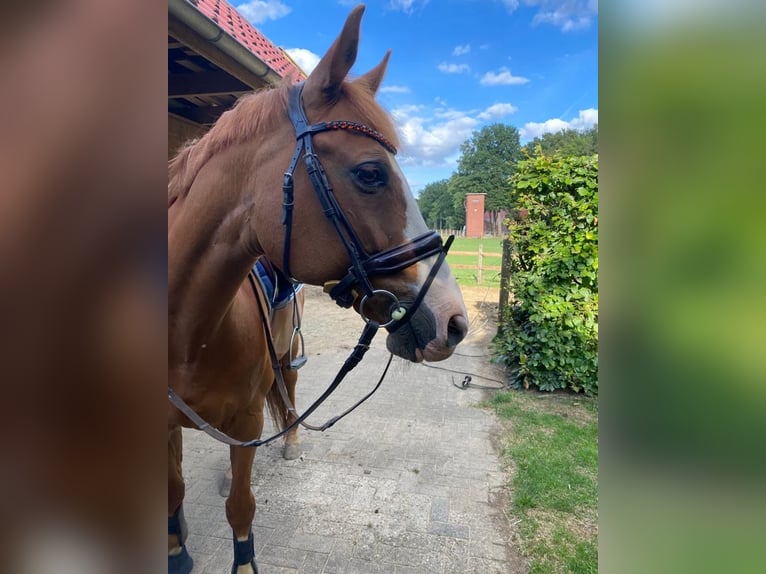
[180, 563]
[244, 553]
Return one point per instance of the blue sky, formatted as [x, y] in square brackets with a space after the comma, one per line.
[456, 65]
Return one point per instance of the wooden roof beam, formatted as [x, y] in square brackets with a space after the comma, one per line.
[205, 84]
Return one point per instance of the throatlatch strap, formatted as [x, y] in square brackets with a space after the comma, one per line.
[244, 552]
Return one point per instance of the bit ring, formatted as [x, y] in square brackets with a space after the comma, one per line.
[396, 306]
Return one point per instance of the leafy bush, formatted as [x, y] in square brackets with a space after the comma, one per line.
[549, 334]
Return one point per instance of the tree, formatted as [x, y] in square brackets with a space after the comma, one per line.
[566, 143]
[438, 208]
[488, 158]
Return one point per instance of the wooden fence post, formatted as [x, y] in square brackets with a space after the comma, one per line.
[481, 262]
[505, 278]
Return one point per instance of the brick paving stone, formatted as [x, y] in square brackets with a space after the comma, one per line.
[311, 542]
[355, 566]
[314, 563]
[281, 556]
[376, 552]
[486, 544]
[449, 529]
[339, 557]
[423, 559]
[439, 510]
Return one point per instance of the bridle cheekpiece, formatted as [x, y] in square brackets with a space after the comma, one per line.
[364, 265]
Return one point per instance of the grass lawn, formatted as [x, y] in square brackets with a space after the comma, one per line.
[470, 276]
[551, 443]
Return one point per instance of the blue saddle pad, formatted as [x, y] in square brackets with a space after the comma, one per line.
[277, 288]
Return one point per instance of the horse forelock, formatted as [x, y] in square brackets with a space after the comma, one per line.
[251, 114]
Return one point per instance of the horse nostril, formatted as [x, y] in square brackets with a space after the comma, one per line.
[457, 329]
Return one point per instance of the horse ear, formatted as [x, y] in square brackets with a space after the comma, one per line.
[374, 77]
[323, 85]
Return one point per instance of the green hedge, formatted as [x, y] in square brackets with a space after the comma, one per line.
[549, 334]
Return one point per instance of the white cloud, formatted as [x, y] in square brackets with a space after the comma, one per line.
[259, 11]
[408, 109]
[461, 50]
[406, 6]
[431, 136]
[429, 141]
[306, 59]
[562, 19]
[497, 111]
[568, 15]
[453, 68]
[502, 77]
[394, 90]
[585, 119]
[535, 129]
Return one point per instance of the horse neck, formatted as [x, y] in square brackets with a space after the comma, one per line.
[210, 252]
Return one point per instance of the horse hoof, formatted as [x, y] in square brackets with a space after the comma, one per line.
[180, 563]
[291, 451]
[251, 568]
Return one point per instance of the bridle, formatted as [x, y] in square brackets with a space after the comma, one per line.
[363, 264]
[344, 291]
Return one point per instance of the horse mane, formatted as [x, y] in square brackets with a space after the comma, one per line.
[253, 113]
[249, 115]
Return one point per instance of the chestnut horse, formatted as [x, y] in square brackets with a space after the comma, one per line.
[349, 223]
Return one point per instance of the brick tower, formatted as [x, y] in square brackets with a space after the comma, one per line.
[474, 214]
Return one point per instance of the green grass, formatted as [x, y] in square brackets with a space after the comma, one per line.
[490, 244]
[552, 443]
[470, 276]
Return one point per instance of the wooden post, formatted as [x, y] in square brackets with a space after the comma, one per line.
[505, 278]
[481, 262]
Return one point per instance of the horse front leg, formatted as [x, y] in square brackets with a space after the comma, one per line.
[292, 448]
[179, 561]
[240, 505]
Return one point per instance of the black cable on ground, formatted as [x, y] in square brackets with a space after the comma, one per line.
[468, 377]
[470, 356]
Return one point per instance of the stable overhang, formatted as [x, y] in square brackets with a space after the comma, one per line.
[213, 59]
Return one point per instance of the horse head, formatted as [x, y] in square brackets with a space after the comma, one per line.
[352, 223]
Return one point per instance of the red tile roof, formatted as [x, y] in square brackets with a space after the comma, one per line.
[231, 22]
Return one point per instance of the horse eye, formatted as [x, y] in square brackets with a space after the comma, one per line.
[370, 176]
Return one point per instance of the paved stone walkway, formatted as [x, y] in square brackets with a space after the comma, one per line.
[408, 483]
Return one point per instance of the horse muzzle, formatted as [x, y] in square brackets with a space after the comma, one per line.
[426, 337]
